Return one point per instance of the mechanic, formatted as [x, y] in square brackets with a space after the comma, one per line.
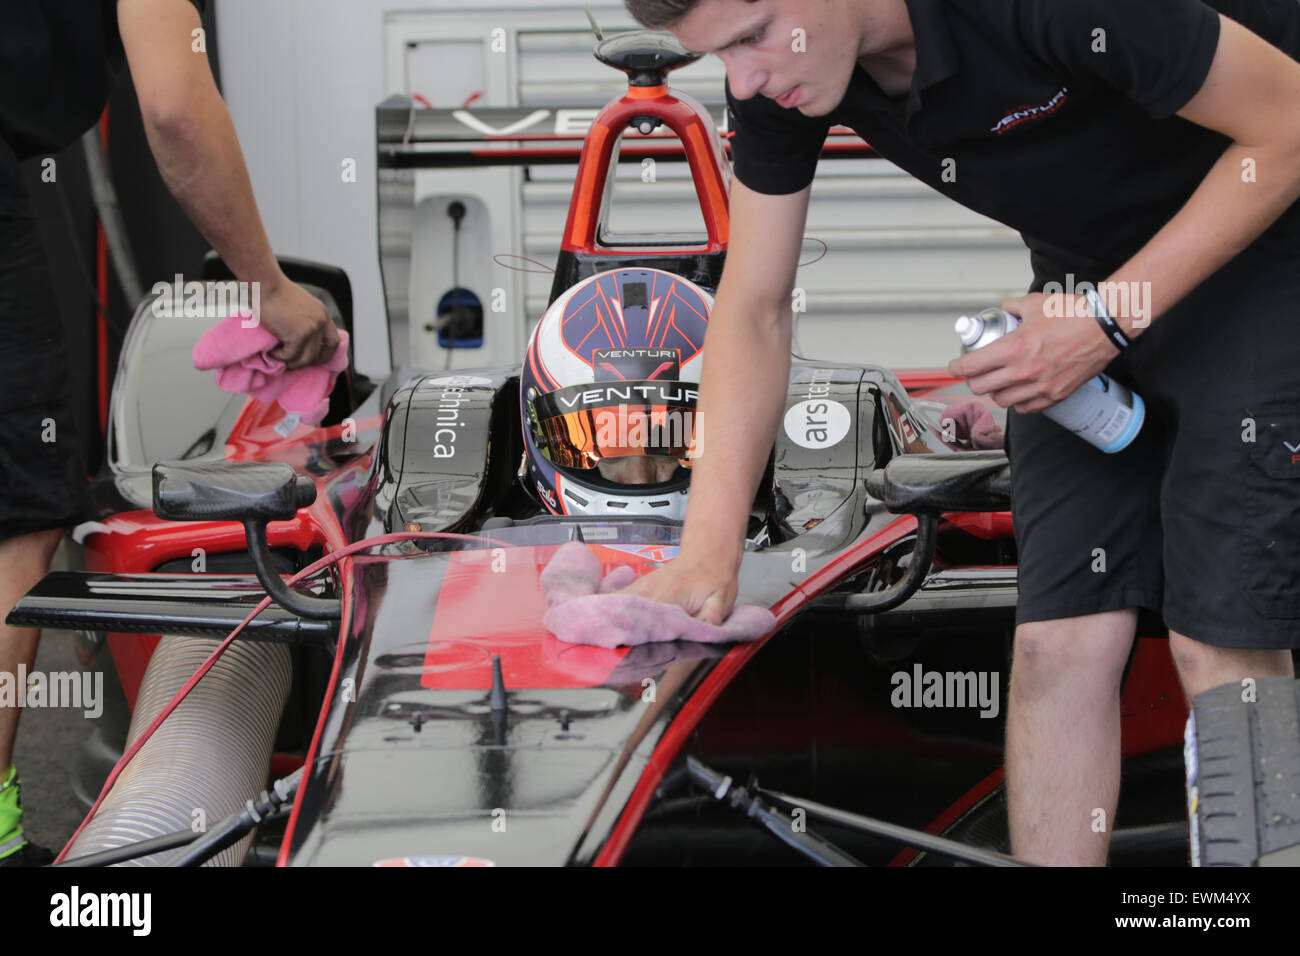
[58, 59]
[1153, 145]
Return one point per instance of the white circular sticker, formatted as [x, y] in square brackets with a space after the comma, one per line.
[817, 423]
[458, 381]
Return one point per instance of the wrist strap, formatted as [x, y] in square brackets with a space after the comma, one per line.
[1104, 319]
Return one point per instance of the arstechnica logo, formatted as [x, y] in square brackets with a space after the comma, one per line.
[946, 689]
[448, 412]
[76, 909]
[818, 421]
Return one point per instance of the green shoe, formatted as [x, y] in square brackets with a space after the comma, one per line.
[15, 850]
[29, 854]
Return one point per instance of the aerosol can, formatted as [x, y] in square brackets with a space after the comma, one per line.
[1101, 411]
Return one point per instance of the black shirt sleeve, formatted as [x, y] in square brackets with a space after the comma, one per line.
[58, 62]
[773, 150]
[1157, 52]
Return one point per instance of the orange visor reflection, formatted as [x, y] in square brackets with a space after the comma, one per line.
[580, 439]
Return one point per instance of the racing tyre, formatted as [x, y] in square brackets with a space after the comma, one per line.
[1242, 759]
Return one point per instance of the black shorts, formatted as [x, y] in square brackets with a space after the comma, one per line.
[42, 479]
[1199, 518]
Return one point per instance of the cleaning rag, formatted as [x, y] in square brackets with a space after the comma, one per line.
[973, 424]
[242, 359]
[583, 608]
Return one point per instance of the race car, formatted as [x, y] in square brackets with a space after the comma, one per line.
[396, 700]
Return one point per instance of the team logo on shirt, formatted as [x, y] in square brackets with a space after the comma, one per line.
[1023, 114]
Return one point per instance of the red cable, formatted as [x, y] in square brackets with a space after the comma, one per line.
[331, 558]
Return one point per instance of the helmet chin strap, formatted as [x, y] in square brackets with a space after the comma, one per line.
[583, 499]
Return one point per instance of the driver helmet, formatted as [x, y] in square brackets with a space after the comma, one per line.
[607, 394]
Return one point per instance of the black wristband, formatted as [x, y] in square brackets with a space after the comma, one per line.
[1107, 323]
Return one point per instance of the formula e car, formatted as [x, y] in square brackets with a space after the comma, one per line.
[390, 696]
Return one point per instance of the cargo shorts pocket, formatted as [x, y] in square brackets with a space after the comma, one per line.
[1270, 536]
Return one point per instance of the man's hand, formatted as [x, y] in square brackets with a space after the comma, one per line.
[704, 588]
[741, 402]
[302, 324]
[1041, 362]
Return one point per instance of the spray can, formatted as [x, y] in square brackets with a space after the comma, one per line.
[1101, 411]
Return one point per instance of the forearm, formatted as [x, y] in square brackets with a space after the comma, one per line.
[1222, 217]
[747, 362]
[198, 154]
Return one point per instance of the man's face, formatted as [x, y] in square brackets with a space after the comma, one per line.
[800, 53]
[637, 469]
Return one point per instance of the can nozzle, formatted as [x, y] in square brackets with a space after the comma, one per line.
[969, 328]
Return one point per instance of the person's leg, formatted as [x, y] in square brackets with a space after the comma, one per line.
[42, 480]
[24, 560]
[1063, 744]
[1088, 538]
[1202, 666]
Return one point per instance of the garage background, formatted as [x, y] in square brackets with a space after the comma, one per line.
[302, 79]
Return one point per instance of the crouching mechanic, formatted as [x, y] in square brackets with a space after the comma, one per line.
[58, 59]
[1153, 147]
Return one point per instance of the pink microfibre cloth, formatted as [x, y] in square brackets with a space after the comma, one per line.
[242, 359]
[973, 422]
[584, 610]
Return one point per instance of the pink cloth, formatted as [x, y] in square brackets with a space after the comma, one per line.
[973, 424]
[242, 360]
[583, 609]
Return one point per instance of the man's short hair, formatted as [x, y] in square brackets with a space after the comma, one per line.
[661, 14]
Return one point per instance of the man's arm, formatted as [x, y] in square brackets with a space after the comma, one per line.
[1251, 94]
[742, 393]
[194, 143]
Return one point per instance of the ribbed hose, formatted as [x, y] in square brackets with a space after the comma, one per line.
[211, 755]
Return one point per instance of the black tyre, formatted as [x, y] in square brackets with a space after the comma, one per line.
[1242, 757]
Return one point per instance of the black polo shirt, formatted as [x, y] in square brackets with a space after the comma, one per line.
[58, 61]
[1042, 122]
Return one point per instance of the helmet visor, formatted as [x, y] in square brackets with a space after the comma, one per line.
[579, 426]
